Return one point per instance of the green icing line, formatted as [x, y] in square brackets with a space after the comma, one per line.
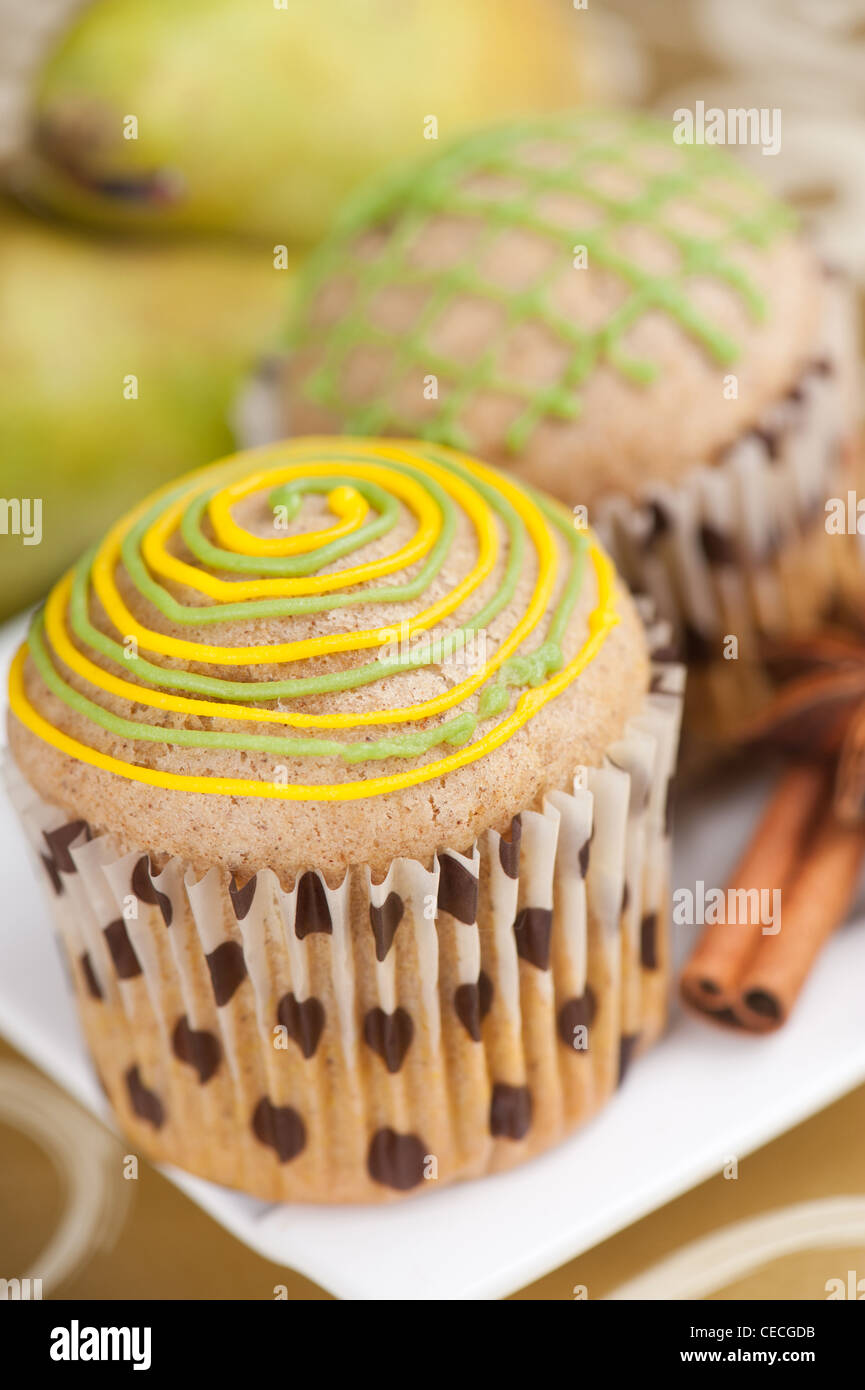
[518, 671]
[286, 567]
[254, 691]
[408, 202]
[251, 692]
[282, 607]
[408, 744]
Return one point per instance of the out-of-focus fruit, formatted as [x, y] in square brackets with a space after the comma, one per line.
[258, 118]
[80, 318]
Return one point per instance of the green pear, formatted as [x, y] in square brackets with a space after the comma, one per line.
[259, 117]
[119, 366]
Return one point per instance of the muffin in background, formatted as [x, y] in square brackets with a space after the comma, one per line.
[349, 780]
[631, 324]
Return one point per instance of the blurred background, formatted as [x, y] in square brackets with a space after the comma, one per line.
[164, 165]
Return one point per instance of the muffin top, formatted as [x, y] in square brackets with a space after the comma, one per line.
[568, 298]
[325, 653]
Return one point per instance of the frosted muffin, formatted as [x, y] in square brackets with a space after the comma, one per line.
[628, 323]
[349, 776]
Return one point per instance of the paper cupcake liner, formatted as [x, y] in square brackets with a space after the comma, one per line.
[739, 549]
[352, 1043]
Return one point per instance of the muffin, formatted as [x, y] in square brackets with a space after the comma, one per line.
[631, 324]
[348, 770]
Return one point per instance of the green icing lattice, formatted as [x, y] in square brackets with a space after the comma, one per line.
[406, 204]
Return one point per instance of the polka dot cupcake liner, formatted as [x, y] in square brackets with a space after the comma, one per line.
[740, 549]
[358, 1042]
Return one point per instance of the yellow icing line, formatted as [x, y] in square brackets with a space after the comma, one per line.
[601, 621]
[533, 699]
[69, 654]
[95, 675]
[343, 501]
[102, 575]
[235, 591]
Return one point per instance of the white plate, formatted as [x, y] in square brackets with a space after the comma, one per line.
[702, 1097]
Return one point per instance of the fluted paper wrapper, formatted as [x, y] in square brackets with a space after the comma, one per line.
[739, 548]
[355, 1043]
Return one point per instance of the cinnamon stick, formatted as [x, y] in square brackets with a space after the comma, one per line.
[850, 776]
[816, 902]
[710, 979]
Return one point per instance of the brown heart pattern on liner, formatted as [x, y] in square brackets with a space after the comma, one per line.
[126, 962]
[144, 1102]
[342, 985]
[473, 1003]
[396, 1160]
[510, 1111]
[198, 1048]
[384, 920]
[389, 1035]
[576, 1013]
[280, 1128]
[533, 930]
[303, 1021]
[242, 898]
[146, 891]
[227, 971]
[312, 913]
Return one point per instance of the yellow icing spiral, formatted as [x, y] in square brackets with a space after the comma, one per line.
[369, 485]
